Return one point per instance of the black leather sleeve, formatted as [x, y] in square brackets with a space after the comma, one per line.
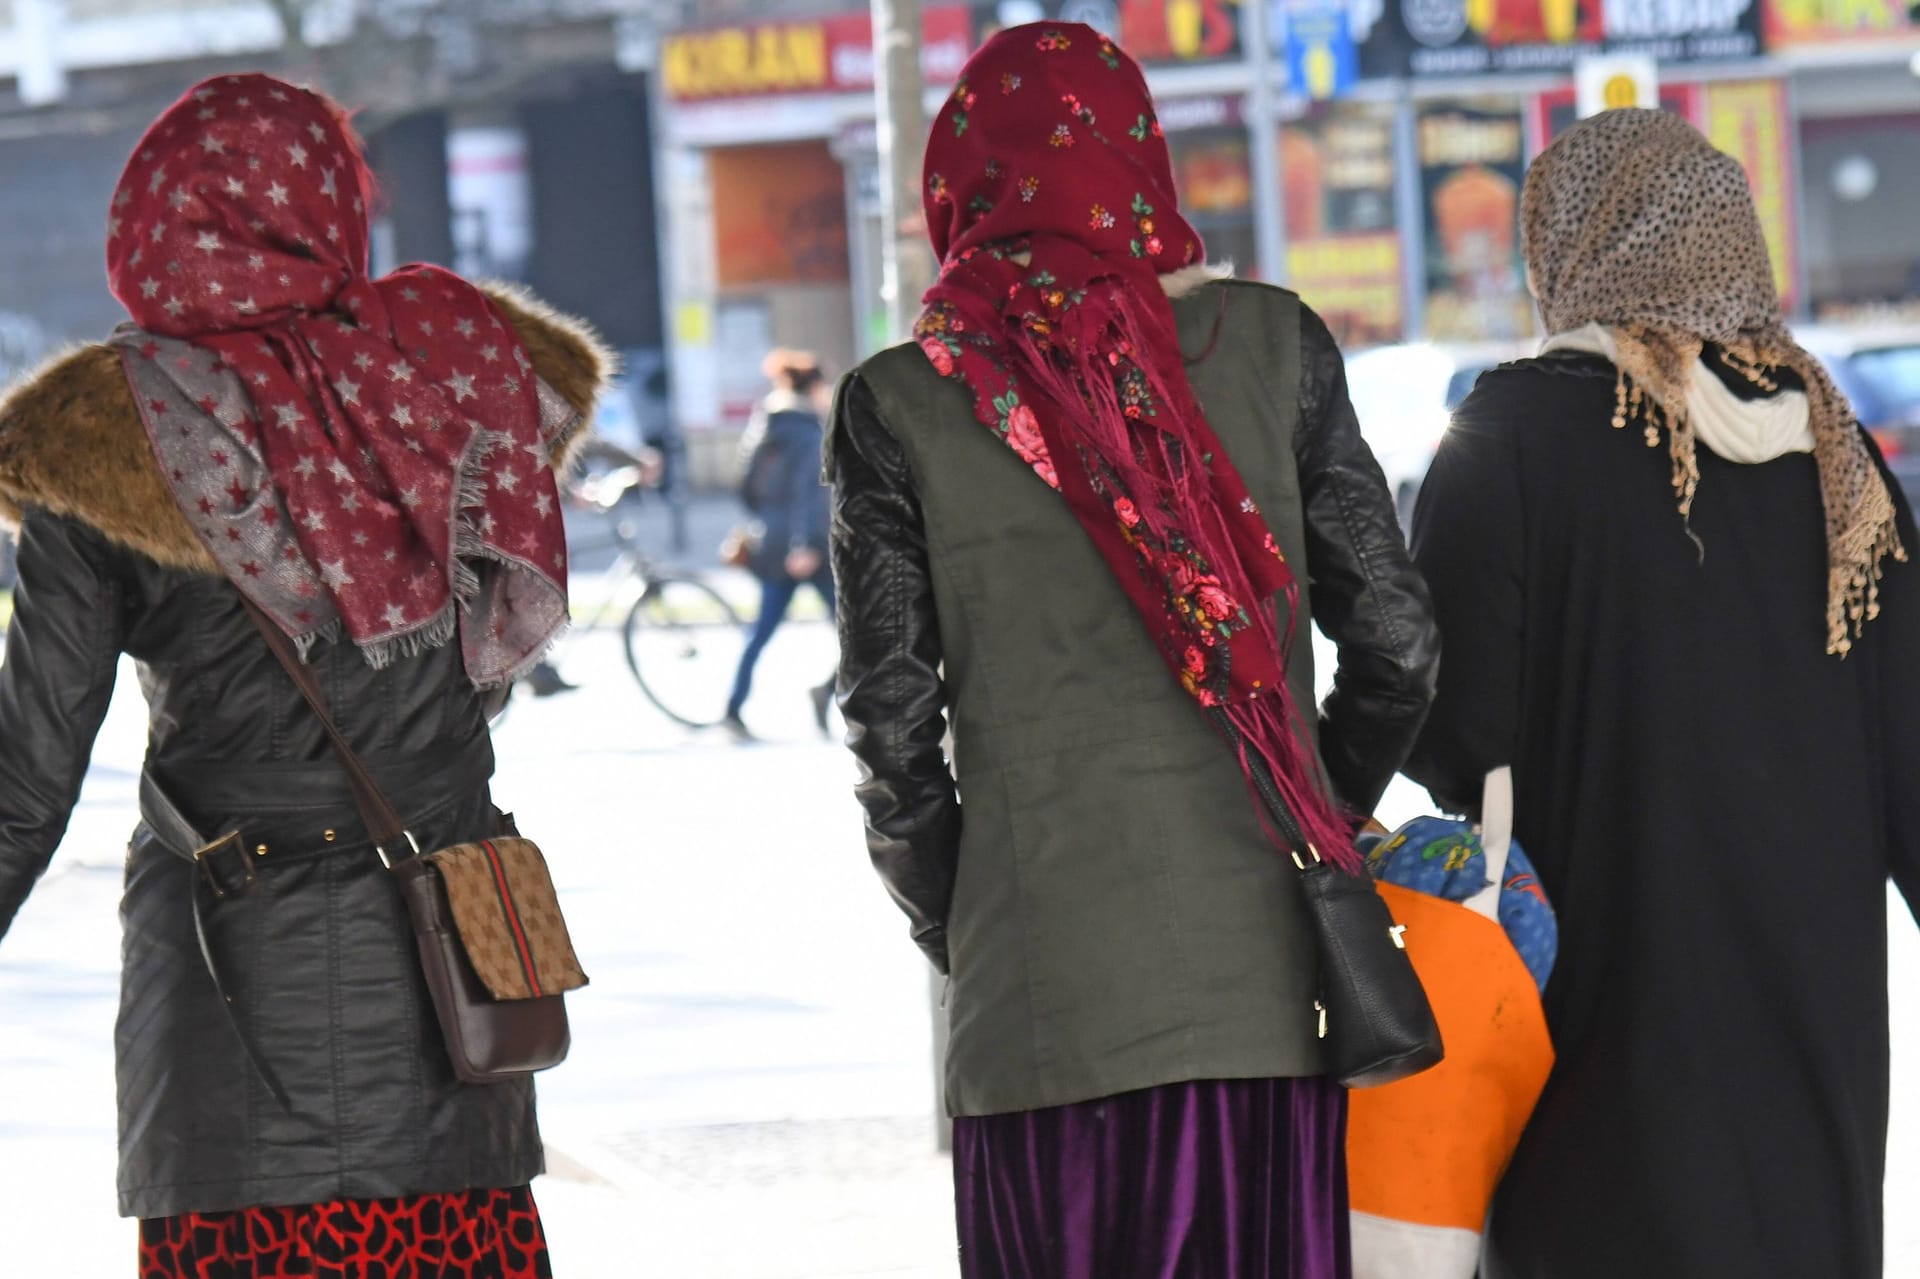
[1366, 593]
[62, 650]
[891, 692]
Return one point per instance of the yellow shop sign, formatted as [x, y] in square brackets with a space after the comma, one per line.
[737, 61]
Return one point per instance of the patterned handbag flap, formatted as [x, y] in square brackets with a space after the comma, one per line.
[509, 917]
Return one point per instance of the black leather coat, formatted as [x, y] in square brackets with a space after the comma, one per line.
[312, 941]
[317, 955]
[1365, 594]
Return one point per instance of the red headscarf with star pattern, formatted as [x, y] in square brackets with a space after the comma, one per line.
[365, 458]
[1050, 199]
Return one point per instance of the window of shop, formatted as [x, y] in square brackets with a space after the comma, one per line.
[1860, 188]
[781, 261]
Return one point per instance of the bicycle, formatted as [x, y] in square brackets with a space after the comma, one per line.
[681, 638]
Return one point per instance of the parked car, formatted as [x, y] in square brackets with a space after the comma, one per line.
[1404, 396]
[1879, 370]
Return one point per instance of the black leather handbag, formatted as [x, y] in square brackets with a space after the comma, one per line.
[1374, 1015]
[1374, 1018]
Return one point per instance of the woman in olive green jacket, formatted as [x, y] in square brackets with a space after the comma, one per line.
[1095, 431]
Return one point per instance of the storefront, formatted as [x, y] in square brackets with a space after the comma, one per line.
[773, 191]
[1404, 128]
[1855, 68]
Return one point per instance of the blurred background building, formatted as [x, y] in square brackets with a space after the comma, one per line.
[700, 177]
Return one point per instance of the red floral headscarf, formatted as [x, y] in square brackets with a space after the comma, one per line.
[1050, 200]
[363, 457]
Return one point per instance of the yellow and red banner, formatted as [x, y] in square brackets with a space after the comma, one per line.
[819, 55]
[1748, 120]
[1791, 22]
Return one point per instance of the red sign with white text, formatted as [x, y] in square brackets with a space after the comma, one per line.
[819, 55]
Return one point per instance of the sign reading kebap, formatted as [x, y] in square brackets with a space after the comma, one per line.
[1474, 37]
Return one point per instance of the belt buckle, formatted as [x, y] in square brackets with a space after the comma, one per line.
[203, 860]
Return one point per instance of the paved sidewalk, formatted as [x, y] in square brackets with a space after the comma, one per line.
[750, 1094]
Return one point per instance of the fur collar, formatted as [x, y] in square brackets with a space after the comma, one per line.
[1191, 279]
[71, 440]
[1178, 284]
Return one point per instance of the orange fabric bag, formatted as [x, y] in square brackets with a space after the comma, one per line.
[1424, 1155]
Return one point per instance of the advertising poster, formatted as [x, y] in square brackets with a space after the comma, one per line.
[1557, 111]
[1748, 120]
[1154, 31]
[1212, 176]
[779, 215]
[1795, 22]
[1472, 161]
[1343, 248]
[1478, 37]
[1317, 44]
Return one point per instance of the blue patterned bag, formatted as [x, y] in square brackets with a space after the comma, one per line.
[1443, 858]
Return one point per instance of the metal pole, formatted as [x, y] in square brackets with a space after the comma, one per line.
[907, 261]
[906, 271]
[1263, 143]
[42, 78]
[637, 45]
[1409, 200]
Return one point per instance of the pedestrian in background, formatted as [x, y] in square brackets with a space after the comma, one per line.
[367, 462]
[1089, 516]
[783, 494]
[1671, 574]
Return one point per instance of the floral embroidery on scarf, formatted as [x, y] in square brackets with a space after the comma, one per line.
[1020, 427]
[965, 97]
[1068, 349]
[1145, 243]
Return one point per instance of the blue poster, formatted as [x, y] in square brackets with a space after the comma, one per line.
[1316, 41]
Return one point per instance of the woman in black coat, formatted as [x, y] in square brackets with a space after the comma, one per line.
[1672, 583]
[783, 492]
[275, 426]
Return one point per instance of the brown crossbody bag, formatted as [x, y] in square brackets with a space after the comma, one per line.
[492, 940]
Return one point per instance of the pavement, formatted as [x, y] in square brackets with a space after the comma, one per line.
[751, 1092]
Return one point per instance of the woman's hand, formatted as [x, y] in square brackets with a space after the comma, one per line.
[802, 563]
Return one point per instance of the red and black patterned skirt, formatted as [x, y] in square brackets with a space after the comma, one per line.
[469, 1234]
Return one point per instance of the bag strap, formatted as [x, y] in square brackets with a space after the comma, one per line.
[1303, 853]
[384, 824]
[1496, 840]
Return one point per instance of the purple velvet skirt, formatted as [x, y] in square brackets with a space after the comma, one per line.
[1223, 1179]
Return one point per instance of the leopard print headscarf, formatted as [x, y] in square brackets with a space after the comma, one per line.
[1634, 221]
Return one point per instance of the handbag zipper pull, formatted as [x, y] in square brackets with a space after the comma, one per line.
[1321, 1009]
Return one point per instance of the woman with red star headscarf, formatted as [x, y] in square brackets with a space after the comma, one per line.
[368, 463]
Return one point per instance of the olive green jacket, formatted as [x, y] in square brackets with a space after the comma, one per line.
[1112, 914]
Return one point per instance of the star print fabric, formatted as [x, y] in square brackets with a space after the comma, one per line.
[366, 459]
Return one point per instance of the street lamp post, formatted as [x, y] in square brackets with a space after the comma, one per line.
[907, 261]
[1263, 142]
[906, 271]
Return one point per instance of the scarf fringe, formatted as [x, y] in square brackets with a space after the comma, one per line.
[1862, 525]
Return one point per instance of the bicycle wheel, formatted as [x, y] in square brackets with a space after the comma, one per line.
[683, 644]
